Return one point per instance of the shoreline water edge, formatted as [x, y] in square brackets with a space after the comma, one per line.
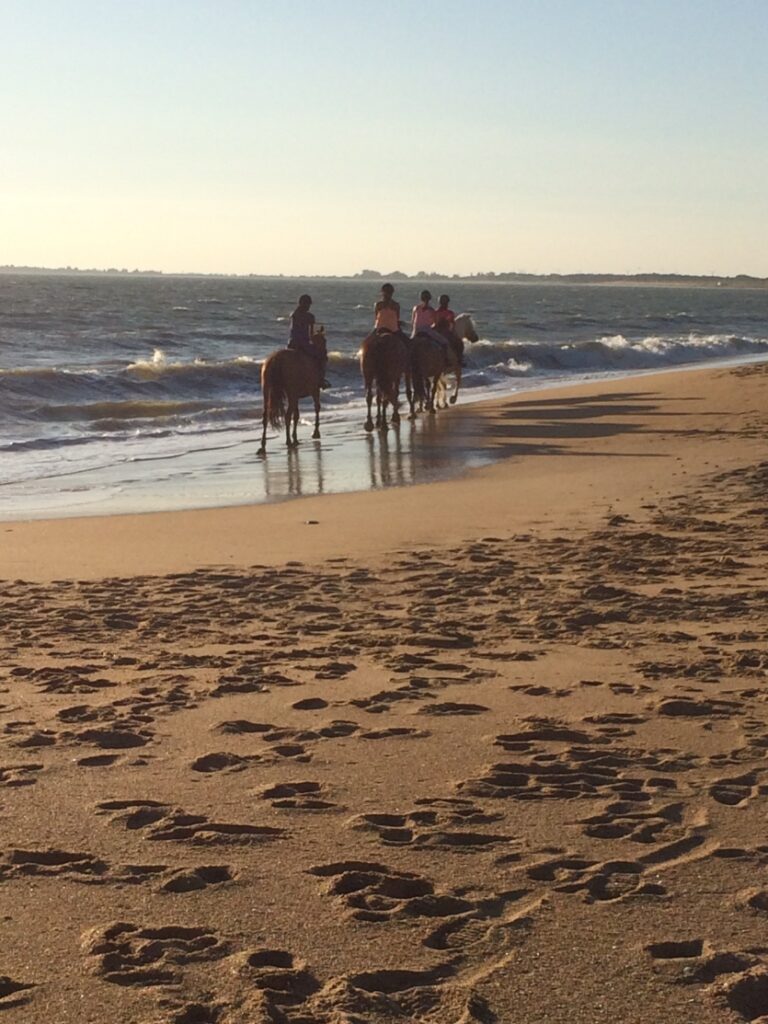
[562, 458]
[424, 450]
[124, 396]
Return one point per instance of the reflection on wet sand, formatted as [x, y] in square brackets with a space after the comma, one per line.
[296, 473]
[415, 451]
[390, 465]
[345, 459]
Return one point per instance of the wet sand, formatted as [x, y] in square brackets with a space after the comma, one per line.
[488, 749]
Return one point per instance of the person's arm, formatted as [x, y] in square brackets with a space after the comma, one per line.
[396, 307]
[413, 319]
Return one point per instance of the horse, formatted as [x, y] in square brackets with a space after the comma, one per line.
[384, 362]
[287, 376]
[430, 362]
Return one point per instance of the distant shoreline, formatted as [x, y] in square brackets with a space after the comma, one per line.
[740, 281]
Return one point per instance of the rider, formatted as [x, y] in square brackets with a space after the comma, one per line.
[422, 319]
[386, 313]
[302, 329]
[444, 322]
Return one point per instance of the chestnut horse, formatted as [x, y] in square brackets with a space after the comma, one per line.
[287, 376]
[430, 361]
[384, 362]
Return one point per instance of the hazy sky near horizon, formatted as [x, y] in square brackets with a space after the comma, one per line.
[324, 136]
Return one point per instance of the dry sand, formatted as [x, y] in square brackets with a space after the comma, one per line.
[488, 750]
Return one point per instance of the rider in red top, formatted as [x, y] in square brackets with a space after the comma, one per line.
[444, 317]
[444, 320]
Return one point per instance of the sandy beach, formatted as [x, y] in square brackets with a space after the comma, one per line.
[491, 748]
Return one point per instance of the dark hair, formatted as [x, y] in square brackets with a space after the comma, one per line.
[387, 287]
[444, 298]
[305, 300]
[425, 296]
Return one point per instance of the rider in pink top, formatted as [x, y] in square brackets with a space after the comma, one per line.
[423, 319]
[423, 315]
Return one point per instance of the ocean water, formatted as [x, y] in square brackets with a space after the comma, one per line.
[132, 394]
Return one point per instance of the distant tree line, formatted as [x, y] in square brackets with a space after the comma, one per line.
[507, 277]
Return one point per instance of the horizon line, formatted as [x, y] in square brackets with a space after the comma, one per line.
[375, 275]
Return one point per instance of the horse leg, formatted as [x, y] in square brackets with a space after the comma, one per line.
[316, 398]
[380, 408]
[369, 400]
[263, 449]
[432, 395]
[409, 394]
[396, 404]
[295, 423]
[455, 394]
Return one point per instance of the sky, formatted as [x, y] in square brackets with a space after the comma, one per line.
[327, 136]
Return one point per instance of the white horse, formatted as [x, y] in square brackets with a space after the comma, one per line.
[431, 364]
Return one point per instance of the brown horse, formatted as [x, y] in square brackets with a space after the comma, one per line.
[384, 362]
[287, 376]
[431, 361]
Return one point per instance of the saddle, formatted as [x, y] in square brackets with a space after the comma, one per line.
[444, 343]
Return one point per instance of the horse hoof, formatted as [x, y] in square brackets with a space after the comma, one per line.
[316, 436]
[453, 399]
[262, 451]
[369, 426]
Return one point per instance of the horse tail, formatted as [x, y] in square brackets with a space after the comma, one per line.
[273, 392]
[417, 376]
[387, 375]
[417, 382]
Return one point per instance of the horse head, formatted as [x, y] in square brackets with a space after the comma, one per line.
[464, 327]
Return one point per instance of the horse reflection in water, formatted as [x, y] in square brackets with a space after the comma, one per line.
[389, 464]
[303, 475]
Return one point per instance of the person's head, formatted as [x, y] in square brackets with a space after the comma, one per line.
[444, 300]
[387, 291]
[305, 301]
[426, 296]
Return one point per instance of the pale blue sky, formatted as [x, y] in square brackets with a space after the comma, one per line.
[312, 136]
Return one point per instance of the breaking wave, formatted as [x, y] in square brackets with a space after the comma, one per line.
[156, 396]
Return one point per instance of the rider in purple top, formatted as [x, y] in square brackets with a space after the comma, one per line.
[302, 326]
[302, 329]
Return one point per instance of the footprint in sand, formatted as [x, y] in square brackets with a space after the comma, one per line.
[310, 704]
[162, 823]
[434, 823]
[14, 993]
[374, 892]
[452, 708]
[735, 791]
[128, 954]
[394, 732]
[300, 796]
[623, 819]
[58, 680]
[85, 867]
[223, 762]
[19, 774]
